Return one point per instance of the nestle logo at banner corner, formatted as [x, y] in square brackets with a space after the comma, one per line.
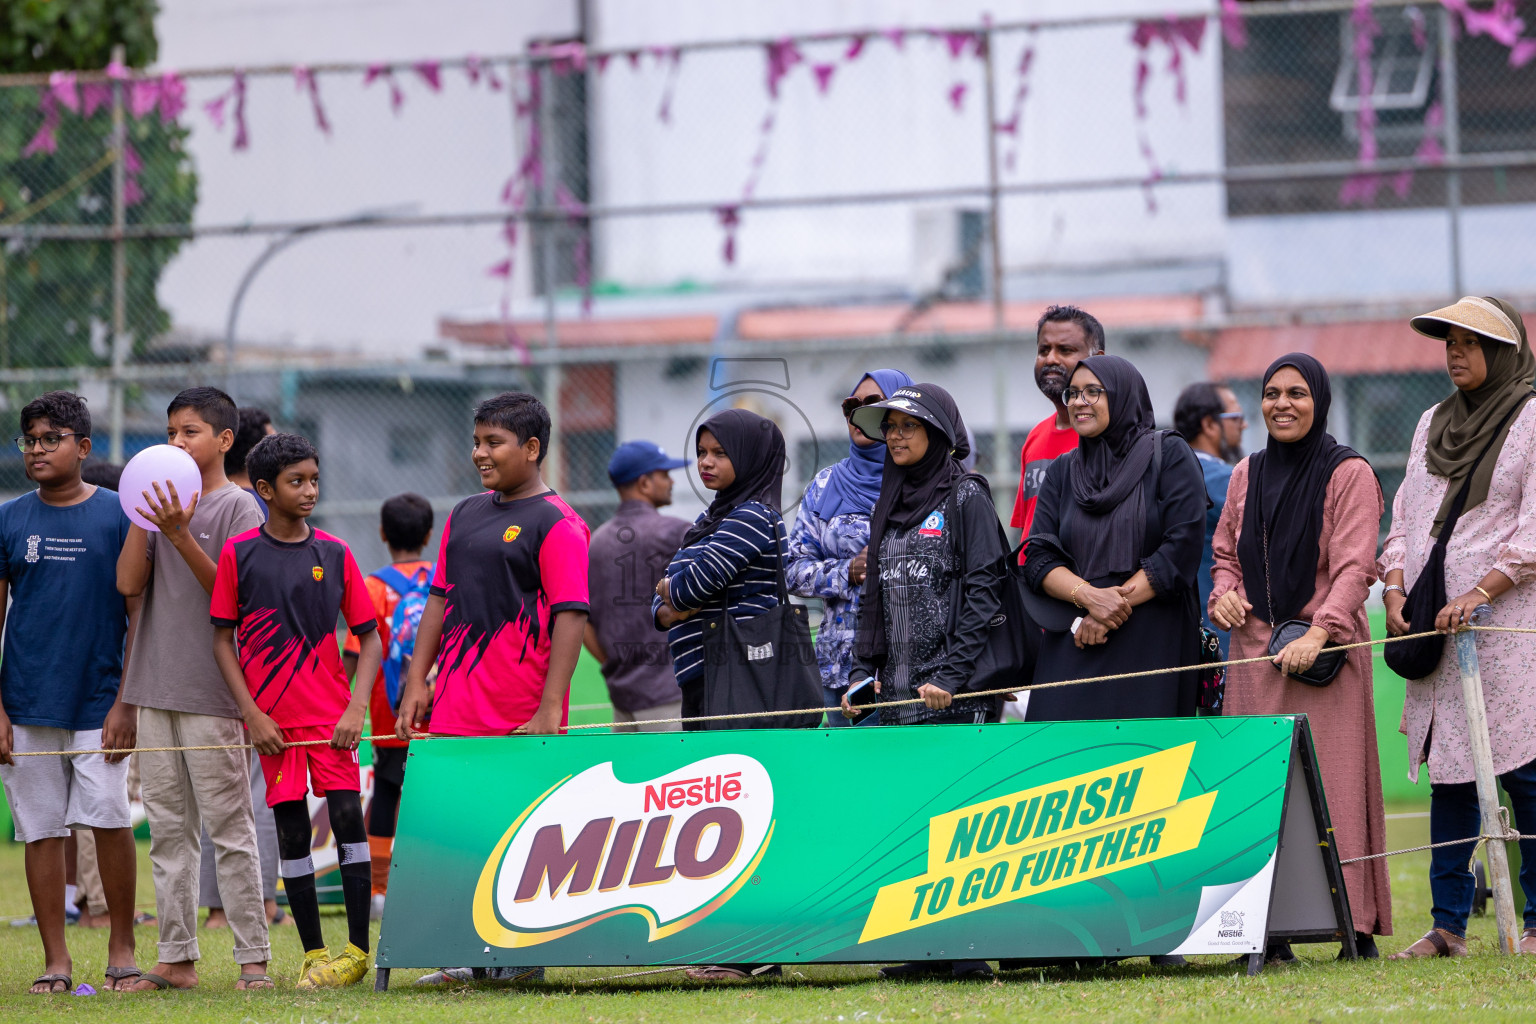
[1231, 925]
[671, 849]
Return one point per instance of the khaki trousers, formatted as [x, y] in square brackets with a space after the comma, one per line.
[183, 792]
[642, 721]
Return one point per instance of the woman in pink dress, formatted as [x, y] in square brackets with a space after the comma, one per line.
[1297, 540]
[1490, 559]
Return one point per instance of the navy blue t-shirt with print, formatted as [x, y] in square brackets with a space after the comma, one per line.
[63, 655]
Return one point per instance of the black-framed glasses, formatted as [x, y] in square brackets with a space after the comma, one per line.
[852, 405]
[903, 431]
[1090, 394]
[49, 442]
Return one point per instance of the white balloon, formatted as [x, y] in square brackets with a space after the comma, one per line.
[160, 464]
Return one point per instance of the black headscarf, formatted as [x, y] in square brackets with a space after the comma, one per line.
[908, 493]
[1107, 508]
[1287, 487]
[755, 447]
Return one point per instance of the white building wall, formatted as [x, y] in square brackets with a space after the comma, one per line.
[886, 125]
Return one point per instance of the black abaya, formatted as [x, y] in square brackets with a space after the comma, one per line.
[1163, 632]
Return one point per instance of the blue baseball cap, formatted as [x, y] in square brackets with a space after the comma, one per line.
[634, 459]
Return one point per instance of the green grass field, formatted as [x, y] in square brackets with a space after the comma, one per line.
[1493, 987]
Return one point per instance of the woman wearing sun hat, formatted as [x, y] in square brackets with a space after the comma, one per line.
[1490, 559]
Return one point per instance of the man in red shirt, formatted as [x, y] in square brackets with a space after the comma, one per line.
[1065, 335]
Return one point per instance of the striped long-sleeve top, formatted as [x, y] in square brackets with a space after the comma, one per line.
[734, 569]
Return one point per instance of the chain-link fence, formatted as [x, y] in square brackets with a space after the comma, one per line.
[366, 250]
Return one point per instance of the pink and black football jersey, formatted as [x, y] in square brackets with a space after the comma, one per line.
[505, 569]
[283, 600]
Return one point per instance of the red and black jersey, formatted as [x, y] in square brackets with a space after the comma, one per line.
[505, 569]
[283, 599]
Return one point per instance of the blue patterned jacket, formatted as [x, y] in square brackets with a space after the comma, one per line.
[819, 553]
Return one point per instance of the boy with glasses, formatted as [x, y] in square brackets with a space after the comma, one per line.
[60, 681]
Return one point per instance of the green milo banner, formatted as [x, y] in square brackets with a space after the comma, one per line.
[861, 845]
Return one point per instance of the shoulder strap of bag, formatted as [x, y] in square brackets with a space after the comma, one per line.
[1466, 487]
[779, 544]
[392, 578]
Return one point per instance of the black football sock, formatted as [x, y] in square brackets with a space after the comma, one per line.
[297, 869]
[346, 810]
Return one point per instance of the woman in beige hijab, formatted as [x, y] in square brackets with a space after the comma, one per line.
[1490, 559]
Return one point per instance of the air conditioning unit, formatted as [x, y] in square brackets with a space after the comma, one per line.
[950, 254]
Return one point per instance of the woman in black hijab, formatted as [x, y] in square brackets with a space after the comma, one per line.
[933, 584]
[732, 555]
[1297, 541]
[730, 562]
[1115, 544]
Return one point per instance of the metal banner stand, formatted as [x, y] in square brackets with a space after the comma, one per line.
[1487, 791]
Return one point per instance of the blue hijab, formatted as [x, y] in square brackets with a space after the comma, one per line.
[854, 485]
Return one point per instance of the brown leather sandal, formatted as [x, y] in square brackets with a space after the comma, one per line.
[1436, 942]
[1528, 941]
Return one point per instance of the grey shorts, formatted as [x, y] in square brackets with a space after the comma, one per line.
[51, 795]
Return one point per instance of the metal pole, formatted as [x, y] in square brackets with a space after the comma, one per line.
[1001, 463]
[1451, 101]
[119, 266]
[1487, 792]
[554, 374]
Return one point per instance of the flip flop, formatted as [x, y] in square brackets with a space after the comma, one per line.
[52, 980]
[1436, 942]
[254, 982]
[161, 985]
[117, 975]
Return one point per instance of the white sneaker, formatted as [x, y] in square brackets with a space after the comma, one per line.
[447, 976]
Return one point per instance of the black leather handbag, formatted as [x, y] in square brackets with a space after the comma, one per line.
[1329, 660]
[763, 663]
[1420, 657]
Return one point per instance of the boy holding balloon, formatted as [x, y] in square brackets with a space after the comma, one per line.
[59, 680]
[184, 509]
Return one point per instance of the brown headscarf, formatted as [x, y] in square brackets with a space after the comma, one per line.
[1465, 423]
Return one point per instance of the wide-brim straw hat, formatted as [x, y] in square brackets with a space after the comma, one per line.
[1472, 313]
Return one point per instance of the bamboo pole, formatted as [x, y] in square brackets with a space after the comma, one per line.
[1487, 791]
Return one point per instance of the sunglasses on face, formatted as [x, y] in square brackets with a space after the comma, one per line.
[852, 405]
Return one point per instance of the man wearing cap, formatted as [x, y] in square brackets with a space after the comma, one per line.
[627, 556]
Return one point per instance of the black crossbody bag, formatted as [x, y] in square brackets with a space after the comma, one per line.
[763, 663]
[1420, 657]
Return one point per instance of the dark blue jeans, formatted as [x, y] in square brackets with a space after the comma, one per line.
[1453, 814]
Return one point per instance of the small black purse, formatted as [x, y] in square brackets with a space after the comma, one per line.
[1329, 660]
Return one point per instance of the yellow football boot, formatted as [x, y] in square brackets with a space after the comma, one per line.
[314, 959]
[349, 968]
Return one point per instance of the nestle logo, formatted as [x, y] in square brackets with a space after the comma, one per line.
[675, 793]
